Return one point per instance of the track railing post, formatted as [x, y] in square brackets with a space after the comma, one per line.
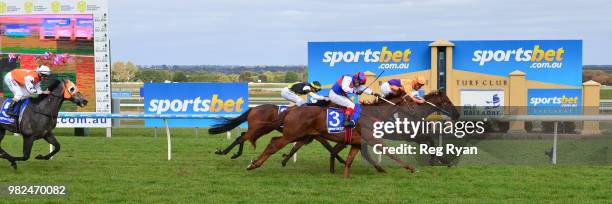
[554, 150]
[169, 141]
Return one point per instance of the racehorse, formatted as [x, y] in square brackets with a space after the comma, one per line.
[259, 119]
[39, 118]
[301, 122]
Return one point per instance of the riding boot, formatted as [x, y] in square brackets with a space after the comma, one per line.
[10, 111]
[348, 121]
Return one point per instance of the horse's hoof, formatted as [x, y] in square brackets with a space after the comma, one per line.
[219, 152]
[235, 156]
[284, 163]
[14, 165]
[41, 157]
[252, 166]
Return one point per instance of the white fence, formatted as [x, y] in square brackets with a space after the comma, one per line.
[165, 117]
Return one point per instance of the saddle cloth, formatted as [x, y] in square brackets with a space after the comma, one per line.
[5, 118]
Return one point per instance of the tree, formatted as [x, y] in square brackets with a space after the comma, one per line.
[233, 77]
[262, 77]
[245, 76]
[121, 72]
[291, 77]
[279, 77]
[150, 75]
[179, 76]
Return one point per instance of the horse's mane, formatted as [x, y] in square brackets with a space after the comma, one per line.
[53, 84]
[434, 93]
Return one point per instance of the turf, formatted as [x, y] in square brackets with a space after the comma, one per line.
[606, 94]
[132, 167]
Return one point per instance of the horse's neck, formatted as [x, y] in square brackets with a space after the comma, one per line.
[50, 105]
[425, 110]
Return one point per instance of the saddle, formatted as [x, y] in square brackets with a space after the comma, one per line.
[5, 118]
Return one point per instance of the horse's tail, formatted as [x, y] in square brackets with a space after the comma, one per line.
[228, 124]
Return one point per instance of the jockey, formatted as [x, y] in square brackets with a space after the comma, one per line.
[349, 84]
[403, 86]
[297, 89]
[24, 83]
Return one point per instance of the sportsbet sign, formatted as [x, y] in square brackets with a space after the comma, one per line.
[554, 101]
[550, 61]
[194, 98]
[327, 61]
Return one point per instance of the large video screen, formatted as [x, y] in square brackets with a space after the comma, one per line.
[64, 43]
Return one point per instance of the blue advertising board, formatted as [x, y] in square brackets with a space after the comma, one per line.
[121, 94]
[550, 61]
[554, 101]
[328, 61]
[194, 98]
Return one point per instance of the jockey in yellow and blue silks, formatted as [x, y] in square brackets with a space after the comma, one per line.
[297, 89]
[349, 84]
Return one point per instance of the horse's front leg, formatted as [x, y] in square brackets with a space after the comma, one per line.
[27, 148]
[50, 138]
[4, 154]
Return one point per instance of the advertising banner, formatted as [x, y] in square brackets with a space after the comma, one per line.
[554, 101]
[69, 36]
[550, 61]
[327, 61]
[482, 102]
[194, 98]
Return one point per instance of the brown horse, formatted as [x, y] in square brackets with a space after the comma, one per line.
[396, 99]
[303, 121]
[259, 120]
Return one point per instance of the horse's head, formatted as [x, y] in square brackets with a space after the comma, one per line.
[440, 99]
[70, 92]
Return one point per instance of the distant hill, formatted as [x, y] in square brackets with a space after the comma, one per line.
[227, 69]
[598, 67]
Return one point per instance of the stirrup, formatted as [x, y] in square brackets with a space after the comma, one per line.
[349, 123]
[11, 109]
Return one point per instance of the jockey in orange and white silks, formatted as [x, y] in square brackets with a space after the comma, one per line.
[403, 86]
[297, 89]
[25, 83]
[349, 84]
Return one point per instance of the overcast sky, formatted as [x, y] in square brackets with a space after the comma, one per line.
[268, 32]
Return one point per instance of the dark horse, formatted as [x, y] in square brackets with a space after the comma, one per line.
[259, 120]
[301, 122]
[40, 117]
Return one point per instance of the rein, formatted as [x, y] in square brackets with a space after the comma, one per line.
[51, 115]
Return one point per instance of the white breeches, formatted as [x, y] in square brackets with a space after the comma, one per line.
[19, 92]
[287, 94]
[341, 100]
